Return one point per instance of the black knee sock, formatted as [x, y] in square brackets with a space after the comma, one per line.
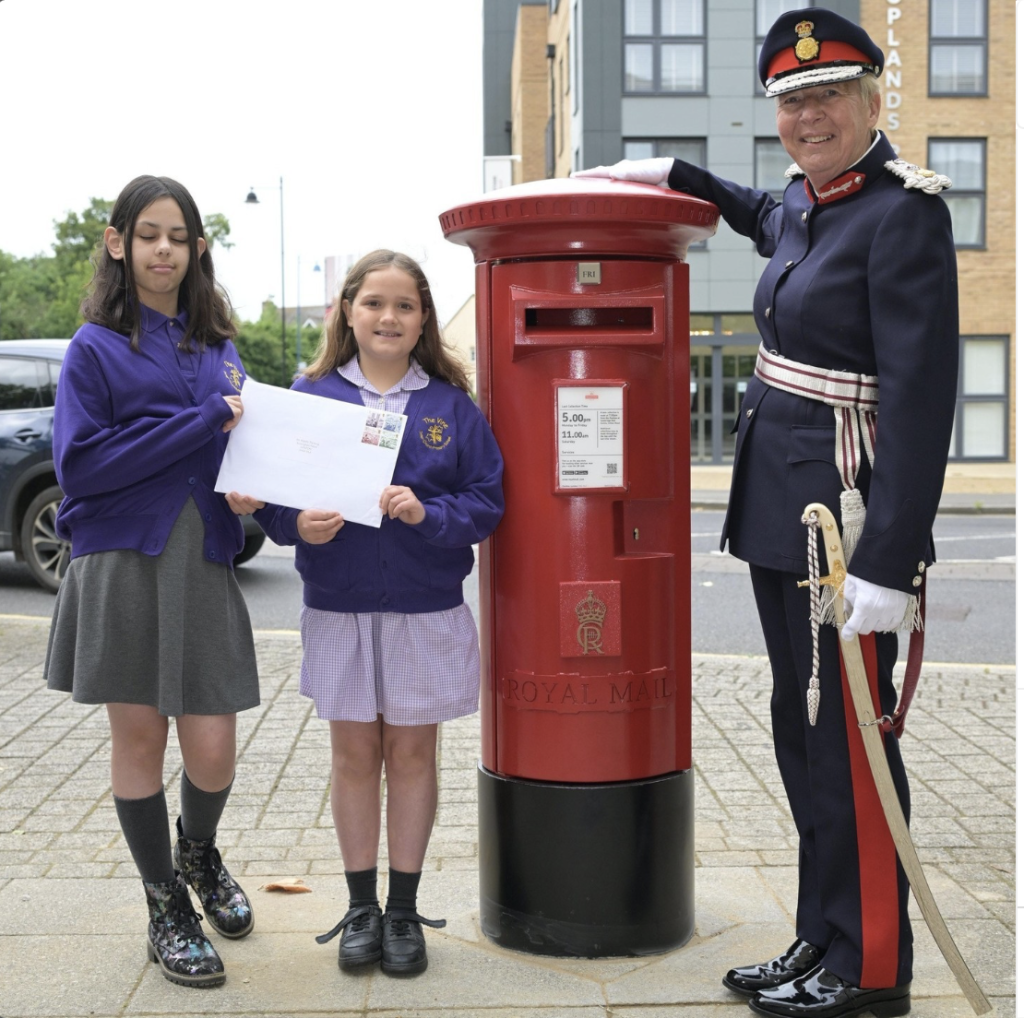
[201, 811]
[402, 889]
[362, 887]
[145, 827]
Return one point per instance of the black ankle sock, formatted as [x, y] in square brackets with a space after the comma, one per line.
[362, 887]
[201, 811]
[402, 888]
[145, 827]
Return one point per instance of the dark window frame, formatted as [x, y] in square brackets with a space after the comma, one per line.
[776, 193]
[961, 192]
[656, 40]
[959, 40]
[963, 399]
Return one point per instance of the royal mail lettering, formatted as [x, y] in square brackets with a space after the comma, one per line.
[574, 693]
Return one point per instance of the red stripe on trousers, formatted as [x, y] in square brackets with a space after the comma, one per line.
[876, 852]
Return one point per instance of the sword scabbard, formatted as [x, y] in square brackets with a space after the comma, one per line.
[874, 747]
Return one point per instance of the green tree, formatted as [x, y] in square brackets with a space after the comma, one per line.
[41, 295]
[78, 236]
[259, 343]
[217, 228]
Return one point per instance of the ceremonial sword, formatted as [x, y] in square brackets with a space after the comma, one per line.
[856, 674]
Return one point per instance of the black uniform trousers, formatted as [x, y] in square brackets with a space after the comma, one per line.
[853, 892]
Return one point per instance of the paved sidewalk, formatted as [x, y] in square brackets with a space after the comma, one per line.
[969, 489]
[72, 915]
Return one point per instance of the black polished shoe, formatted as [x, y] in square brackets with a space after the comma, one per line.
[799, 958]
[361, 939]
[820, 994]
[404, 951]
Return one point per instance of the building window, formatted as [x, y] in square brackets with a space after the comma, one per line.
[771, 161]
[958, 47]
[766, 13]
[963, 161]
[690, 150]
[664, 45]
[980, 430]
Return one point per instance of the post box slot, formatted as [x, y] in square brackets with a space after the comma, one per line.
[553, 319]
[629, 320]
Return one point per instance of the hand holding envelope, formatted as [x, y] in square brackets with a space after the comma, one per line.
[309, 452]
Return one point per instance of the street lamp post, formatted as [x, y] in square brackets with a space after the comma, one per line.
[251, 199]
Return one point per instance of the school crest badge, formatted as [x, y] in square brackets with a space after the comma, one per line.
[234, 376]
[433, 433]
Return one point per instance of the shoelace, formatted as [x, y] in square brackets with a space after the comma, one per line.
[399, 920]
[359, 915]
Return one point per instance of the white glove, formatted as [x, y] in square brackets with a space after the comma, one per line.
[872, 609]
[643, 171]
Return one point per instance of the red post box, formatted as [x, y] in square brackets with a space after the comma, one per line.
[585, 782]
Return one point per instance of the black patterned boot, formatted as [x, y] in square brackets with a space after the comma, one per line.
[176, 942]
[223, 901]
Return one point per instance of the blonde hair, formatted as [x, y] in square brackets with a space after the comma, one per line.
[338, 342]
[867, 85]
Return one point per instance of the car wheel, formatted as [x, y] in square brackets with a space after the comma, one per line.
[46, 555]
[253, 543]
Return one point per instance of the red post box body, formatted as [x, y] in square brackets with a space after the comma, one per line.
[586, 840]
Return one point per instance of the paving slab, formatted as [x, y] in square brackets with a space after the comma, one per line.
[72, 914]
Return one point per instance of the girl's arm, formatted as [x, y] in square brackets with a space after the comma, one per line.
[474, 508]
[93, 455]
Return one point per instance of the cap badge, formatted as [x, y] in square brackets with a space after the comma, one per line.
[807, 47]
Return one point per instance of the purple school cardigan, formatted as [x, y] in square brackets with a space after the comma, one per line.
[133, 440]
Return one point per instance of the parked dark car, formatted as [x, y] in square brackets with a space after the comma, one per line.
[29, 493]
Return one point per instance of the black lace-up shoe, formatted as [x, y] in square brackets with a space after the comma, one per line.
[404, 951]
[225, 903]
[820, 994]
[799, 958]
[361, 934]
[176, 942]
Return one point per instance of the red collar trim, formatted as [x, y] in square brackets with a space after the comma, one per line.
[842, 187]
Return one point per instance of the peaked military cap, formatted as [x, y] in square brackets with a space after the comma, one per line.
[815, 46]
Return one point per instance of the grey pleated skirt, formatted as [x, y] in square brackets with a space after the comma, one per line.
[169, 631]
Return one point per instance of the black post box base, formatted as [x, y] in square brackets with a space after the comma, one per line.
[588, 871]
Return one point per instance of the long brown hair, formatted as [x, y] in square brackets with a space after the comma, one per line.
[338, 342]
[112, 300]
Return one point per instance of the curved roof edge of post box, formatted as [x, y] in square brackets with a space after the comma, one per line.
[576, 217]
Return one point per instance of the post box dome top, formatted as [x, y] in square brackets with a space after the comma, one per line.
[580, 216]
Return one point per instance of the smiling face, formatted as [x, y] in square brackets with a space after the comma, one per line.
[826, 128]
[159, 252]
[387, 318]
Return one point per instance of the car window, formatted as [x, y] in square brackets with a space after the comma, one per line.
[19, 385]
[54, 367]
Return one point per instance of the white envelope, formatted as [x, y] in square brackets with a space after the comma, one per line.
[309, 452]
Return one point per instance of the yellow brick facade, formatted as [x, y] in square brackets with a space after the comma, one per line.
[987, 277]
[561, 68]
[530, 94]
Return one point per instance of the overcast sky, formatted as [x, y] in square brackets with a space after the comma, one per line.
[369, 110]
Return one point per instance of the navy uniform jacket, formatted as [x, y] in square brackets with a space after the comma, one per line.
[866, 282]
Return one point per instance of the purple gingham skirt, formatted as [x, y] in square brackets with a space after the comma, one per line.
[410, 669]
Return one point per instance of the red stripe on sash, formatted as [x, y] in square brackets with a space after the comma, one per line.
[876, 853]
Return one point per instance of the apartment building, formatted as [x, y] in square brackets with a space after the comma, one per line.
[575, 83]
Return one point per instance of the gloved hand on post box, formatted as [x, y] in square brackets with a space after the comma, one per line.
[643, 171]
